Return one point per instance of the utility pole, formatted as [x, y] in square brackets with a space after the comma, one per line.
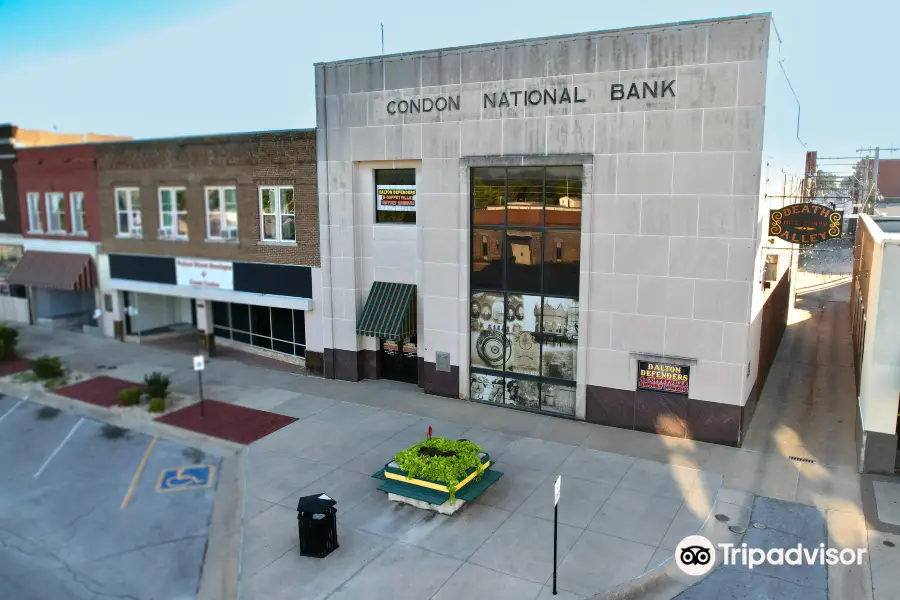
[873, 189]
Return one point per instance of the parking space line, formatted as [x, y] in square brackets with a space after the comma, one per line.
[137, 474]
[9, 412]
[58, 448]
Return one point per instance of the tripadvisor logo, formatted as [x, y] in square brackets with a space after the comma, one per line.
[695, 555]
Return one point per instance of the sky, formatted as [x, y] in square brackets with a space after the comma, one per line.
[159, 68]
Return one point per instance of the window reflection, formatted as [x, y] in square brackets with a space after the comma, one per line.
[523, 268]
[563, 196]
[487, 258]
[562, 261]
[488, 189]
[525, 190]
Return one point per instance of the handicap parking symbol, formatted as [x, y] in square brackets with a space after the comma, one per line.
[186, 478]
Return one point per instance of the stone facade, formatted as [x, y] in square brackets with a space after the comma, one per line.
[668, 124]
[245, 161]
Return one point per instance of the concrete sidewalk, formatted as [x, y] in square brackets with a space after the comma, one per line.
[627, 495]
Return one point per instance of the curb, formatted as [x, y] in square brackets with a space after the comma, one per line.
[208, 444]
[667, 581]
[219, 579]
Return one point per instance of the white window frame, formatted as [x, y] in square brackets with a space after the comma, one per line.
[33, 203]
[133, 229]
[277, 214]
[49, 197]
[220, 190]
[79, 212]
[174, 212]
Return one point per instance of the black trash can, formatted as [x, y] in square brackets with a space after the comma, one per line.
[317, 522]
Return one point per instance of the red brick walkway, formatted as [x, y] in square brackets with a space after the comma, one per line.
[16, 365]
[227, 421]
[102, 390]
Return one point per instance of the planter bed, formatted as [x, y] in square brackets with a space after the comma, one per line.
[434, 495]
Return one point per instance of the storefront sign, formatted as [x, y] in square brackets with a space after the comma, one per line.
[417, 105]
[663, 377]
[396, 197]
[216, 274]
[536, 97]
[532, 97]
[642, 91]
[805, 223]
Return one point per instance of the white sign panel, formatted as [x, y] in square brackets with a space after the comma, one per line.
[396, 197]
[215, 274]
[199, 363]
[556, 490]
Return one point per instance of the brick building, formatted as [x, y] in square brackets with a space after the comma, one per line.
[60, 221]
[14, 141]
[214, 233]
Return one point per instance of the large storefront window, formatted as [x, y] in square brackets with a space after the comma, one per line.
[278, 329]
[526, 254]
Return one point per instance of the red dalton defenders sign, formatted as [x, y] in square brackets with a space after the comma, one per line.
[663, 377]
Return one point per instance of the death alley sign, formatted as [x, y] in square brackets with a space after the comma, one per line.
[805, 223]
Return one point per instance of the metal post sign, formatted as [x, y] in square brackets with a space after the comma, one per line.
[556, 487]
[199, 363]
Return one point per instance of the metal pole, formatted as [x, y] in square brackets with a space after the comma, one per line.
[875, 180]
[200, 381]
[555, 516]
[382, 38]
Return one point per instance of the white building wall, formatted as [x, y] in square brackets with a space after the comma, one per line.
[672, 235]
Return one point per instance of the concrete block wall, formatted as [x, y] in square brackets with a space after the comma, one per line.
[670, 242]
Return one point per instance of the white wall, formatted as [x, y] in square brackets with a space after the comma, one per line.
[13, 310]
[880, 385]
[671, 243]
[158, 311]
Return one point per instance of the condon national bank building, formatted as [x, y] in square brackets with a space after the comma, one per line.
[570, 225]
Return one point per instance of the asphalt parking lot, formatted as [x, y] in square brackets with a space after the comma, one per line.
[93, 511]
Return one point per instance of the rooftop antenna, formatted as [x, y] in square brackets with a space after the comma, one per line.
[382, 38]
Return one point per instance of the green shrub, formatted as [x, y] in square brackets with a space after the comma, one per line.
[157, 385]
[56, 382]
[48, 367]
[9, 339]
[130, 396]
[157, 405]
[440, 459]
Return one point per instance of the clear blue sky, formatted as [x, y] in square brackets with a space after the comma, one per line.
[151, 68]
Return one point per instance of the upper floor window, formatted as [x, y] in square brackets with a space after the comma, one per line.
[395, 196]
[128, 211]
[276, 209]
[76, 200]
[34, 212]
[56, 213]
[221, 213]
[2, 206]
[173, 212]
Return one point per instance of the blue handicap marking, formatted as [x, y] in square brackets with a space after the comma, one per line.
[186, 478]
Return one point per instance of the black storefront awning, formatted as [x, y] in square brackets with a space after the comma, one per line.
[389, 312]
[56, 270]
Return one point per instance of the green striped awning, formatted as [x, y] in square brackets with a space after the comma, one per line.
[390, 311]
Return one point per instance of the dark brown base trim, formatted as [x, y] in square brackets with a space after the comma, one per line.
[664, 414]
[315, 363]
[371, 364]
[343, 364]
[439, 383]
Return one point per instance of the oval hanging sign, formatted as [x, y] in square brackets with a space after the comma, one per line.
[805, 223]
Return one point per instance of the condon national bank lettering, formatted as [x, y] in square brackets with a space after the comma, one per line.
[561, 222]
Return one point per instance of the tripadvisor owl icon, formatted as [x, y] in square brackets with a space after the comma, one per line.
[695, 555]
